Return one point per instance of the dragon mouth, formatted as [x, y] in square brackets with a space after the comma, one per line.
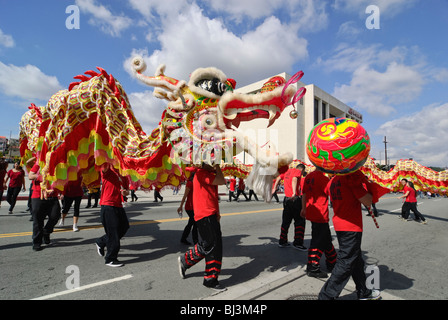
[234, 117]
[237, 108]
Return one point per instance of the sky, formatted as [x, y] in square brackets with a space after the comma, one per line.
[389, 62]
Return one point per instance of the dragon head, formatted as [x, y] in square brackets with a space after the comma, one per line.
[203, 114]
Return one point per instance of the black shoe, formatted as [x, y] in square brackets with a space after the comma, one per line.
[94, 206]
[114, 264]
[184, 241]
[215, 285]
[182, 268]
[88, 206]
[37, 247]
[284, 244]
[47, 239]
[300, 247]
[100, 250]
[317, 274]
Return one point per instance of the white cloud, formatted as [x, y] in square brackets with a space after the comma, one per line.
[306, 15]
[147, 109]
[419, 136]
[377, 92]
[381, 79]
[28, 83]
[6, 40]
[349, 29]
[189, 40]
[104, 18]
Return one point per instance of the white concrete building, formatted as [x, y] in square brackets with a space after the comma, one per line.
[290, 135]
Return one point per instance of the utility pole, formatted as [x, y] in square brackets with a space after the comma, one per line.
[385, 152]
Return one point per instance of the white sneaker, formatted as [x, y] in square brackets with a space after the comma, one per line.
[61, 223]
[374, 295]
[115, 264]
[75, 228]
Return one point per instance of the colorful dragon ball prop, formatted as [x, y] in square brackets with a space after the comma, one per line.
[338, 146]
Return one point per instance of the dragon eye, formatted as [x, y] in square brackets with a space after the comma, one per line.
[208, 121]
[214, 86]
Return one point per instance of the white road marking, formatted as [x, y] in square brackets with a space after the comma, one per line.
[92, 285]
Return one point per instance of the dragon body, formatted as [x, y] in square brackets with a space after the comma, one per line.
[92, 123]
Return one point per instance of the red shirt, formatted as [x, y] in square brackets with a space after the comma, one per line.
[111, 189]
[36, 182]
[232, 184]
[241, 185]
[16, 178]
[205, 195]
[36, 185]
[314, 187]
[73, 189]
[287, 183]
[411, 197]
[344, 193]
[189, 202]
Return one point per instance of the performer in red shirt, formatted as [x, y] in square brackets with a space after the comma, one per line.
[232, 188]
[42, 205]
[113, 215]
[16, 177]
[241, 187]
[187, 199]
[410, 202]
[315, 209]
[347, 193]
[292, 205]
[207, 217]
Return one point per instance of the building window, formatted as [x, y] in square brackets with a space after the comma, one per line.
[316, 111]
[324, 110]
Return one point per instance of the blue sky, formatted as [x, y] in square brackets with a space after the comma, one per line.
[396, 76]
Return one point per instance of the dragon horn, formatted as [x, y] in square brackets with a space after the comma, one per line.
[159, 80]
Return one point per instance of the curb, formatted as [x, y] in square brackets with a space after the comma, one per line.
[288, 283]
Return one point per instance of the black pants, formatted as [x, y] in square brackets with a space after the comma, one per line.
[41, 209]
[116, 224]
[11, 196]
[133, 196]
[157, 196]
[208, 247]
[191, 226]
[67, 203]
[320, 244]
[95, 195]
[291, 210]
[252, 193]
[231, 195]
[241, 192]
[406, 210]
[349, 263]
